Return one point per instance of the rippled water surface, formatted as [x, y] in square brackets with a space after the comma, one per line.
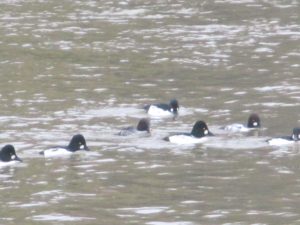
[88, 67]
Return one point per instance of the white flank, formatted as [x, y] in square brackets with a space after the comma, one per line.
[186, 140]
[56, 152]
[158, 112]
[280, 142]
[236, 127]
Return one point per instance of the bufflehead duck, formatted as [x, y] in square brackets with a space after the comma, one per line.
[295, 137]
[77, 143]
[8, 154]
[143, 125]
[253, 122]
[163, 110]
[198, 135]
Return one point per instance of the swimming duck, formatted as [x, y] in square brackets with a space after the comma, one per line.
[162, 109]
[77, 143]
[143, 127]
[199, 134]
[284, 140]
[253, 123]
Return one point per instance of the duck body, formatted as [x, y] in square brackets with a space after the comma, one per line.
[199, 134]
[236, 127]
[185, 139]
[279, 141]
[77, 143]
[56, 151]
[286, 140]
[253, 123]
[143, 127]
[162, 109]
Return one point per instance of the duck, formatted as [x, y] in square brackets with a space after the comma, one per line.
[8, 154]
[253, 123]
[163, 109]
[77, 143]
[143, 126]
[199, 134]
[285, 140]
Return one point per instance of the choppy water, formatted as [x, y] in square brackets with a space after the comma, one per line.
[89, 66]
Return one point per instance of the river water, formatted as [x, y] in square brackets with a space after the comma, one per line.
[88, 67]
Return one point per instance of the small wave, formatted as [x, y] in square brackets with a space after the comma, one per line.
[59, 217]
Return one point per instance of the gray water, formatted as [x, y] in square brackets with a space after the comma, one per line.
[88, 67]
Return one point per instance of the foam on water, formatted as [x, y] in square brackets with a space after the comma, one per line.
[145, 210]
[11, 163]
[33, 204]
[171, 223]
[59, 217]
[238, 143]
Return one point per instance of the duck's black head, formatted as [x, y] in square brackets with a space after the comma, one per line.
[8, 153]
[296, 134]
[174, 106]
[144, 125]
[253, 121]
[200, 129]
[78, 143]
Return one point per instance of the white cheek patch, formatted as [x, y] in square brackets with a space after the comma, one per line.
[13, 157]
[81, 147]
[255, 124]
[171, 109]
[298, 136]
[294, 137]
[206, 132]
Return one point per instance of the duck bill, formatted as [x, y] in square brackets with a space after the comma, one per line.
[210, 134]
[18, 159]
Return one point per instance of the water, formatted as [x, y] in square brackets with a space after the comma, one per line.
[89, 66]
